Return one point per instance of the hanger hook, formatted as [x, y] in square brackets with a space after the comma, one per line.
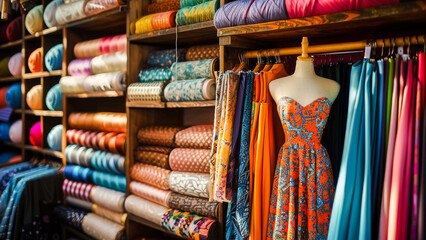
[383, 47]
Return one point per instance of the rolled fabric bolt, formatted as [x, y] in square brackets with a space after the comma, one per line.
[157, 74]
[194, 69]
[165, 58]
[3, 93]
[35, 97]
[158, 135]
[87, 49]
[80, 67]
[36, 134]
[199, 13]
[101, 121]
[49, 13]
[71, 84]
[13, 96]
[78, 203]
[54, 138]
[92, 7]
[163, 7]
[146, 92]
[15, 132]
[194, 205]
[66, 13]
[53, 58]
[4, 131]
[198, 136]
[145, 209]
[54, 98]
[164, 20]
[191, 184]
[190, 160]
[190, 90]
[35, 61]
[202, 52]
[116, 217]
[109, 63]
[108, 198]
[34, 19]
[70, 216]
[15, 64]
[112, 81]
[152, 175]
[101, 228]
[150, 193]
[142, 25]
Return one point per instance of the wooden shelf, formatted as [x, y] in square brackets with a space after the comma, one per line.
[17, 111]
[146, 104]
[95, 94]
[45, 113]
[42, 74]
[14, 44]
[52, 30]
[134, 218]
[192, 104]
[78, 233]
[9, 79]
[111, 20]
[14, 145]
[44, 151]
[202, 32]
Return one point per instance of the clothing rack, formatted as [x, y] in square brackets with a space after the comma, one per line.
[338, 47]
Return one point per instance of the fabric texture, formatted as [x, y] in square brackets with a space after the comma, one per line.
[71, 84]
[15, 132]
[157, 156]
[194, 69]
[202, 52]
[165, 58]
[190, 90]
[35, 61]
[191, 184]
[190, 160]
[101, 228]
[15, 64]
[13, 96]
[49, 13]
[156, 74]
[100, 121]
[163, 7]
[14, 29]
[157, 135]
[145, 209]
[93, 7]
[199, 13]
[54, 98]
[4, 70]
[113, 62]
[53, 58]
[116, 217]
[34, 20]
[66, 13]
[199, 136]
[194, 205]
[80, 67]
[54, 138]
[77, 189]
[108, 198]
[70, 216]
[163, 20]
[35, 98]
[112, 81]
[146, 91]
[152, 175]
[36, 134]
[150, 193]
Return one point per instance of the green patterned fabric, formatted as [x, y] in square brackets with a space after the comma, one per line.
[194, 69]
[190, 90]
[199, 13]
[189, 3]
[146, 92]
[158, 74]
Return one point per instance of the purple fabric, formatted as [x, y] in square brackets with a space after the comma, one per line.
[80, 67]
[15, 64]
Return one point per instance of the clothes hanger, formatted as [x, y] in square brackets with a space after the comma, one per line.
[243, 64]
[259, 66]
[269, 63]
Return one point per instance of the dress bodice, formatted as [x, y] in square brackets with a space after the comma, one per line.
[303, 124]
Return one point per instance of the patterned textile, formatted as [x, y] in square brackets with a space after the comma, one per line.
[146, 92]
[114, 62]
[69, 216]
[101, 228]
[202, 52]
[163, 7]
[106, 45]
[158, 135]
[112, 81]
[192, 184]
[108, 198]
[152, 175]
[80, 204]
[189, 3]
[194, 69]
[303, 126]
[116, 217]
[199, 136]
[157, 74]
[8, 172]
[66, 13]
[165, 58]
[77, 189]
[71, 84]
[190, 90]
[150, 193]
[157, 156]
[105, 141]
[194, 205]
[142, 25]
[145, 209]
[190, 160]
[190, 226]
[100, 121]
[164, 20]
[92, 7]
[199, 13]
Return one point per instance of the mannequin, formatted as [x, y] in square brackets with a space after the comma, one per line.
[304, 86]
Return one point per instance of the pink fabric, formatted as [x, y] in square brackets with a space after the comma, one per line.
[36, 135]
[415, 178]
[113, 44]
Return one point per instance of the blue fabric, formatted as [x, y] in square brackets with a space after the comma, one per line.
[54, 138]
[53, 58]
[4, 131]
[70, 216]
[8, 172]
[165, 58]
[54, 98]
[6, 156]
[14, 96]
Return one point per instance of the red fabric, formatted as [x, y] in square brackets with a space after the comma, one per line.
[306, 8]
[3, 35]
[14, 29]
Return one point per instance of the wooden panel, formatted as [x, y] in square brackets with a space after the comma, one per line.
[42, 74]
[12, 45]
[196, 116]
[46, 113]
[9, 79]
[146, 104]
[138, 54]
[95, 94]
[191, 104]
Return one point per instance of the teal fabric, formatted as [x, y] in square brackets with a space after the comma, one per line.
[193, 69]
[157, 74]
[54, 98]
[54, 138]
[53, 58]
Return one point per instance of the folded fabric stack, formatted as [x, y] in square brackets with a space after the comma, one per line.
[170, 184]
[101, 66]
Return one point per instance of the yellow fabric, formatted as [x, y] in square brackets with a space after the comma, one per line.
[35, 98]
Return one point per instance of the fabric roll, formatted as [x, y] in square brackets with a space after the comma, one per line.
[145, 209]
[36, 134]
[14, 96]
[164, 20]
[157, 156]
[113, 143]
[78, 173]
[194, 69]
[112, 81]
[189, 3]
[53, 58]
[165, 58]
[15, 64]
[109, 63]
[190, 160]
[66, 13]
[77, 189]
[116, 217]
[108, 45]
[188, 225]
[54, 98]
[146, 92]
[49, 13]
[78, 203]
[15, 132]
[108, 198]
[156, 74]
[108, 162]
[199, 13]
[157, 135]
[75, 154]
[54, 138]
[202, 52]
[190, 90]
[93, 7]
[14, 29]
[100, 121]
[150, 193]
[191, 184]
[3, 92]
[80, 67]
[101, 228]
[111, 181]
[4, 132]
[199, 136]
[152, 175]
[4, 68]
[194, 205]
[70, 216]
[87, 49]
[163, 7]
[34, 19]
[142, 25]
[35, 98]
[35, 61]
[72, 84]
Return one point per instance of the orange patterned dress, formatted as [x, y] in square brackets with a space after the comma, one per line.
[303, 189]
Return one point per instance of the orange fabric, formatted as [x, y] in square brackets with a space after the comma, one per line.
[35, 61]
[163, 7]
[164, 20]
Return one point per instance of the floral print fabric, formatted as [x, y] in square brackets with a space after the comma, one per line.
[194, 69]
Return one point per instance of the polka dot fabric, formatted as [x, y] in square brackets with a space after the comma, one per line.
[158, 135]
[199, 136]
[190, 160]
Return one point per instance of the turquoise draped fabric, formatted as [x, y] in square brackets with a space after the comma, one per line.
[53, 58]
[54, 98]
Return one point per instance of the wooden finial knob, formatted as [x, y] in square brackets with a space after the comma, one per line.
[305, 54]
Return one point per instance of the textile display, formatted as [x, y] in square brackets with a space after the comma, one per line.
[106, 141]
[13, 30]
[116, 217]
[78, 155]
[35, 61]
[4, 131]
[109, 63]
[4, 69]
[189, 3]
[158, 135]
[101, 228]
[188, 225]
[100, 121]
[142, 25]
[199, 13]
[54, 138]
[163, 7]
[92, 7]
[71, 84]
[190, 90]
[145, 209]
[34, 19]
[35, 98]
[53, 58]
[165, 58]
[88, 49]
[80, 67]
[49, 13]
[152, 175]
[199, 136]
[164, 20]
[13, 96]
[78, 203]
[100, 46]
[54, 98]
[77, 189]
[196, 53]
[66, 13]
[36, 134]
[112, 81]
[108, 198]
[70, 216]
[15, 132]
[146, 92]
[157, 156]
[191, 184]
[150, 193]
[194, 205]
[190, 160]
[15, 64]
[194, 69]
[156, 74]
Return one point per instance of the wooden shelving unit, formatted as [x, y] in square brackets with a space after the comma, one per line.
[44, 151]
[43, 74]
[95, 94]
[9, 79]
[77, 233]
[14, 44]
[46, 113]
